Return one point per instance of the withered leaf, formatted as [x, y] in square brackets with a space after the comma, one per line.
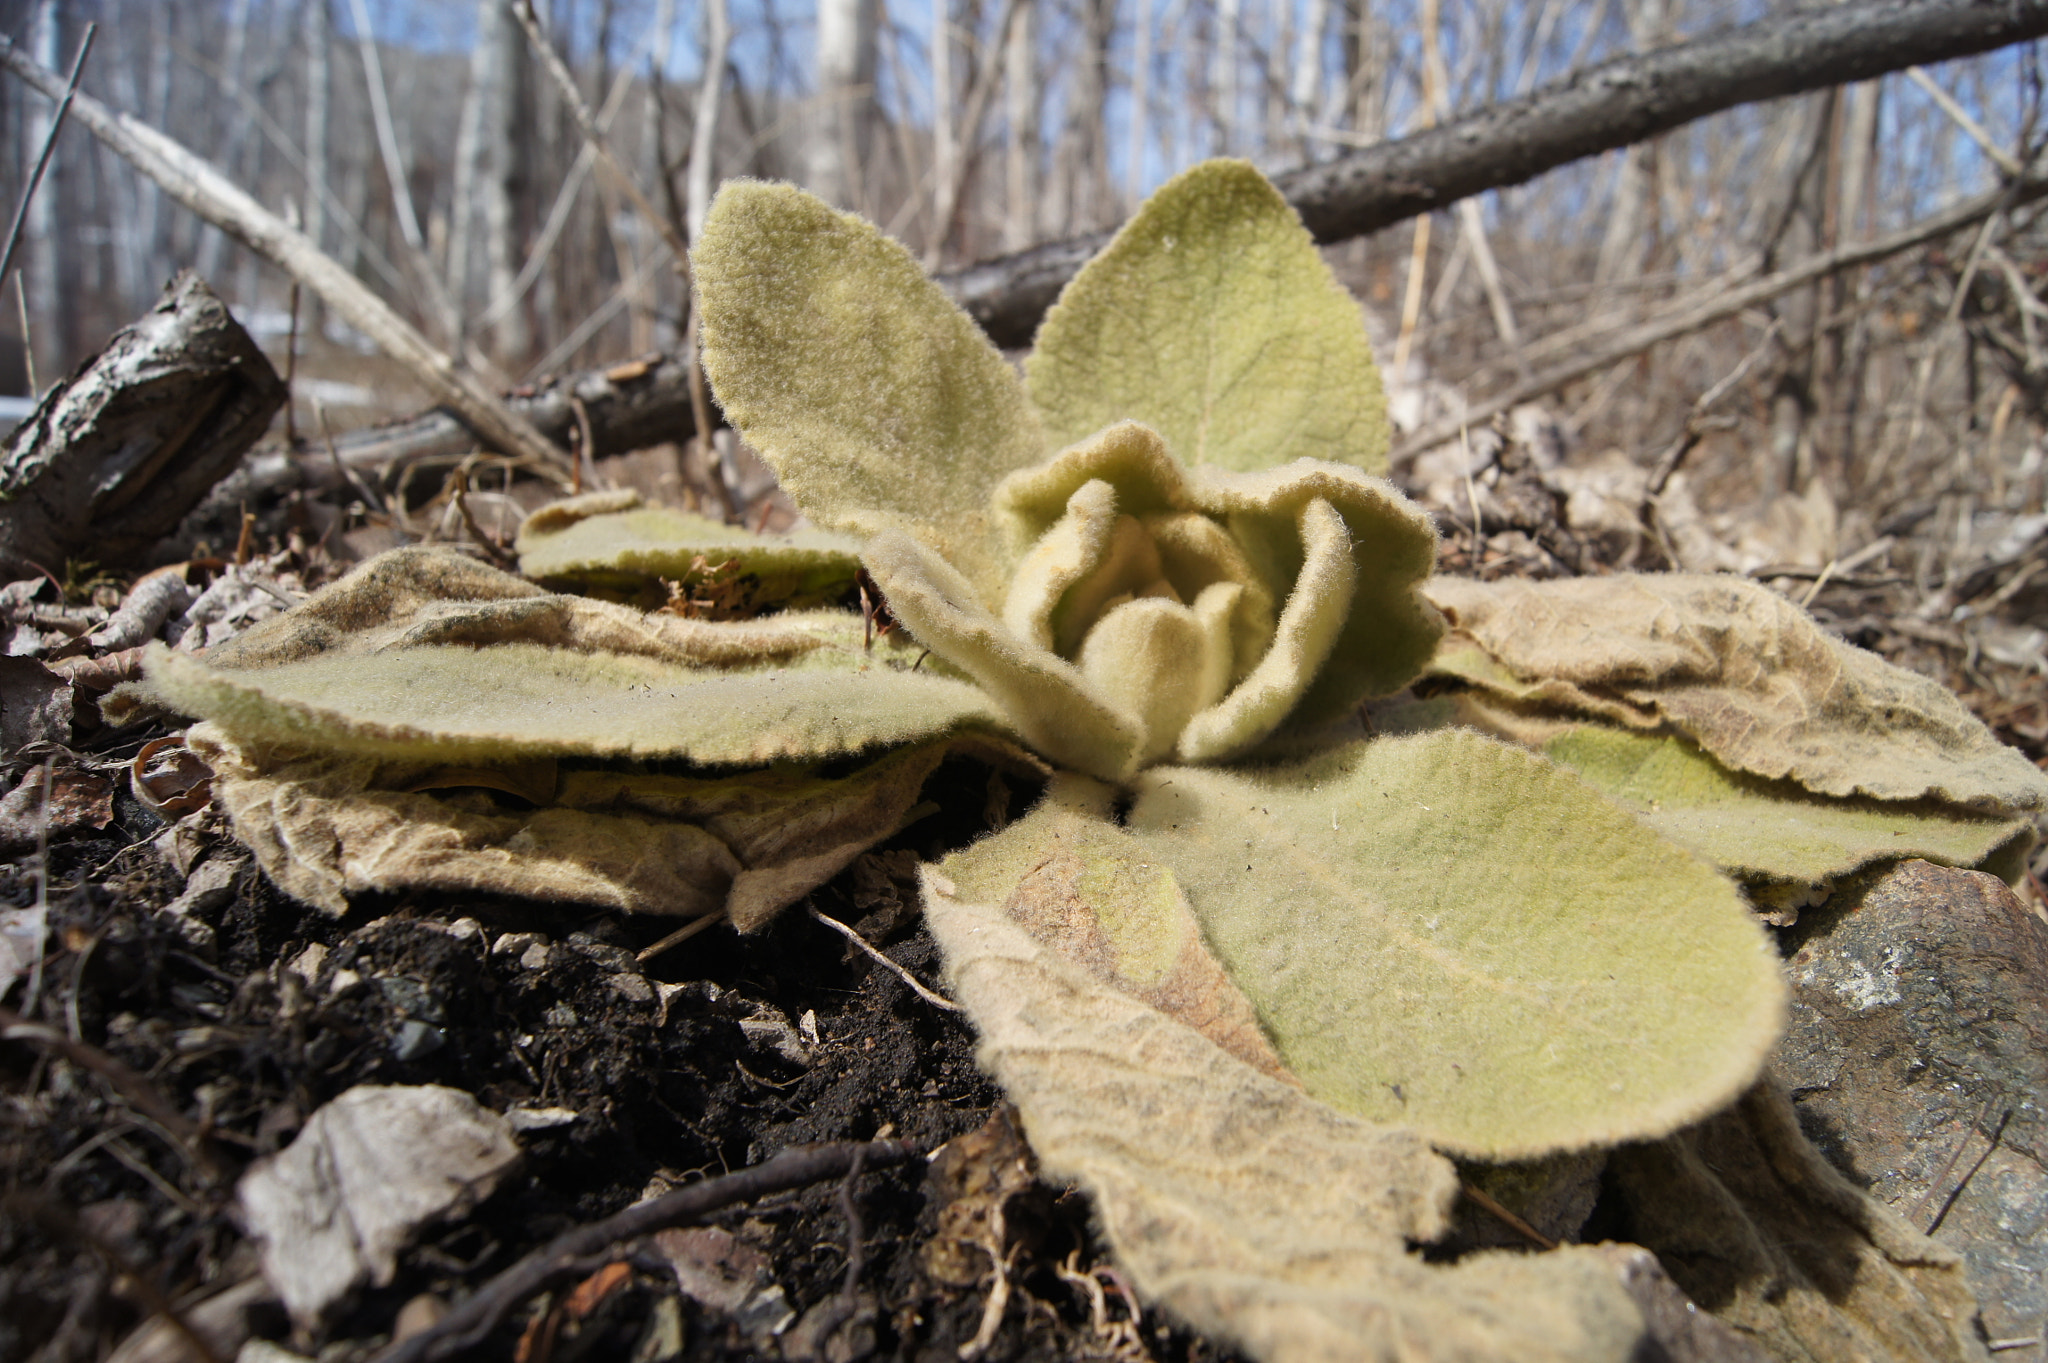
[1239, 1204]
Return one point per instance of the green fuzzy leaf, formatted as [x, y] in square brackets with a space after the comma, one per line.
[1048, 700]
[421, 654]
[608, 545]
[463, 704]
[1213, 319]
[1448, 932]
[1740, 671]
[1083, 888]
[1778, 830]
[877, 401]
[1238, 1203]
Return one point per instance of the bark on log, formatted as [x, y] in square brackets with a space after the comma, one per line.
[1613, 105]
[115, 456]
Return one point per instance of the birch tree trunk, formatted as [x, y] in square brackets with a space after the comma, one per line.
[1633, 221]
[1799, 233]
[704, 133]
[845, 101]
[1020, 160]
[43, 269]
[317, 31]
[498, 187]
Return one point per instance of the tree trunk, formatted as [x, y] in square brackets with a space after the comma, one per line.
[501, 130]
[1308, 75]
[1799, 233]
[1020, 161]
[49, 342]
[1633, 220]
[317, 30]
[945, 148]
[463, 207]
[704, 133]
[1141, 101]
[235, 64]
[1223, 78]
[844, 99]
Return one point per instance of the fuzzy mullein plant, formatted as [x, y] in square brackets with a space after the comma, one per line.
[1252, 972]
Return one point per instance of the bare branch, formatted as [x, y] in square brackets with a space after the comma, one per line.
[1613, 105]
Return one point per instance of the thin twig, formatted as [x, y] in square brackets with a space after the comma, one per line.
[35, 177]
[132, 1085]
[1960, 116]
[679, 936]
[569, 1253]
[594, 136]
[936, 1000]
[586, 447]
[438, 298]
[1949, 1202]
[500, 555]
[28, 348]
[1486, 1202]
[1723, 299]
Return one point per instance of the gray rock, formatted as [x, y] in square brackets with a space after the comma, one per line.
[1918, 1061]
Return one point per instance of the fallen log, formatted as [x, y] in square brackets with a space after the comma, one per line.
[115, 455]
[629, 407]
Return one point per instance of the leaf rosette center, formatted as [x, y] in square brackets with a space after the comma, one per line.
[1123, 607]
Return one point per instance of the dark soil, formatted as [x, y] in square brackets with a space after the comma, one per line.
[106, 1214]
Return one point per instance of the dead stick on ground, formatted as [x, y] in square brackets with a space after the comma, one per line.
[200, 187]
[935, 1000]
[571, 1252]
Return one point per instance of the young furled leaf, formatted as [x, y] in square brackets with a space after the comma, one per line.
[1213, 319]
[1141, 621]
[1450, 933]
[879, 404]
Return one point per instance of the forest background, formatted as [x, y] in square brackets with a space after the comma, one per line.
[425, 147]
